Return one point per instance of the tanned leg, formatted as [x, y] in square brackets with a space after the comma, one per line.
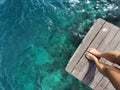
[112, 56]
[110, 72]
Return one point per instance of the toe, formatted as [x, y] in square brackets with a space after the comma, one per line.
[88, 55]
[88, 49]
[94, 52]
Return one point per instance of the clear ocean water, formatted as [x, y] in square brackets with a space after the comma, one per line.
[38, 37]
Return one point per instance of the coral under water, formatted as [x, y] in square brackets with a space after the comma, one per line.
[38, 37]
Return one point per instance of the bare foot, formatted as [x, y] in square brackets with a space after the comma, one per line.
[91, 57]
[101, 66]
[94, 52]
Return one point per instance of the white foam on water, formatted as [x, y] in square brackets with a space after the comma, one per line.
[74, 2]
[116, 8]
[105, 9]
[2, 2]
[110, 7]
[83, 10]
[88, 2]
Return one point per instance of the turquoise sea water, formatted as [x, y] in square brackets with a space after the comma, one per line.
[38, 37]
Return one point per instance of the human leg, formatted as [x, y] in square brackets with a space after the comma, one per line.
[110, 72]
[101, 66]
[112, 56]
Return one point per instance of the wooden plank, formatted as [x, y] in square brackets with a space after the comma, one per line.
[85, 62]
[104, 37]
[82, 47]
[102, 47]
[116, 65]
[102, 84]
[82, 67]
[99, 76]
[109, 87]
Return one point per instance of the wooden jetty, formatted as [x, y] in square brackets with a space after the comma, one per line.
[103, 36]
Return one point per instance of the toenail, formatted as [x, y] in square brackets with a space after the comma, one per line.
[88, 49]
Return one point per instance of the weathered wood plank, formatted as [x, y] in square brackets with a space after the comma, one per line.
[82, 67]
[110, 36]
[104, 37]
[104, 81]
[116, 65]
[82, 47]
[102, 47]
[109, 87]
[111, 46]
[102, 84]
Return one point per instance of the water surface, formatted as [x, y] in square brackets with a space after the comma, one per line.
[38, 37]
